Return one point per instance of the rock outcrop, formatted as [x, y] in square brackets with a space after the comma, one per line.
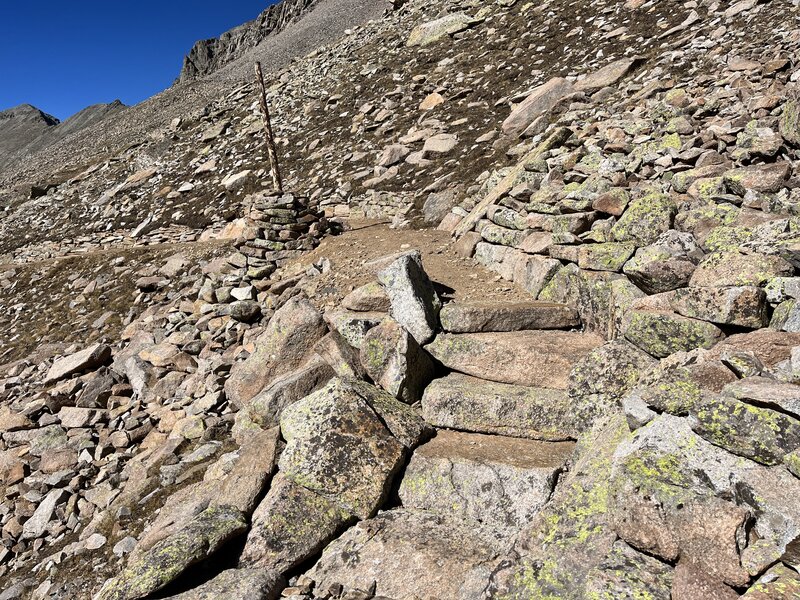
[210, 55]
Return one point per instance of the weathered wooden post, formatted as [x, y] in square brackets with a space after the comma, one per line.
[274, 168]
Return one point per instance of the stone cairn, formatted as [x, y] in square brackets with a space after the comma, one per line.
[282, 227]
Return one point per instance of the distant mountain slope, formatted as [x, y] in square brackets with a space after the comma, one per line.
[209, 55]
[20, 125]
[25, 129]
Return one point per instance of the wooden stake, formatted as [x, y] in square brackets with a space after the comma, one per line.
[274, 168]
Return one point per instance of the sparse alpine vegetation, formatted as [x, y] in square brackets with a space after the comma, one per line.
[525, 323]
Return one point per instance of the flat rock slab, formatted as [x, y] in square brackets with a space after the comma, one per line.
[470, 404]
[253, 584]
[530, 358]
[288, 339]
[432, 31]
[291, 525]
[762, 391]
[498, 482]
[485, 317]
[340, 443]
[89, 358]
[167, 560]
[407, 553]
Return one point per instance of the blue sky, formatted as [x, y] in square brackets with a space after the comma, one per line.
[62, 56]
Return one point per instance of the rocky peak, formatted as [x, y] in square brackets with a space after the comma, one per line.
[26, 113]
[209, 55]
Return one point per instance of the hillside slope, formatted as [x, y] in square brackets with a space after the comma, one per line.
[524, 325]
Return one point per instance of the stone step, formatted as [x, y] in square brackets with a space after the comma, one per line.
[470, 404]
[529, 358]
[487, 317]
[498, 483]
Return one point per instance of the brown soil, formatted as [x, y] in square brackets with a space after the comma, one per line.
[457, 278]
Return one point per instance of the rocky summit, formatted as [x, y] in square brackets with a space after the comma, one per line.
[523, 323]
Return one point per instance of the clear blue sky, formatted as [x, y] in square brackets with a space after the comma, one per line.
[62, 56]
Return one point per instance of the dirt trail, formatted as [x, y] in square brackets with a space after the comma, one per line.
[458, 278]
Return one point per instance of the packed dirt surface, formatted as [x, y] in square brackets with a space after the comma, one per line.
[456, 278]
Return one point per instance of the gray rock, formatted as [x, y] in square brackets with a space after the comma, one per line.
[266, 407]
[338, 446]
[556, 553]
[415, 304]
[432, 31]
[442, 557]
[470, 404]
[762, 391]
[488, 317]
[36, 526]
[395, 362]
[742, 306]
[164, 562]
[626, 573]
[291, 525]
[89, 358]
[353, 326]
[253, 584]
[499, 483]
[661, 333]
[291, 333]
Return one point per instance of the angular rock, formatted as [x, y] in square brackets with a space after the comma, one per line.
[541, 100]
[609, 256]
[573, 534]
[266, 407]
[36, 526]
[164, 562]
[779, 583]
[291, 525]
[762, 391]
[789, 124]
[367, 298]
[487, 317]
[470, 404]
[599, 381]
[89, 358]
[442, 557]
[291, 332]
[690, 582]
[353, 326]
[661, 334]
[532, 273]
[414, 302]
[673, 471]
[742, 306]
[253, 584]
[531, 358]
[760, 434]
[394, 361]
[645, 220]
[341, 356]
[731, 269]
[626, 573]
[759, 178]
[441, 143]
[498, 483]
[433, 31]
[608, 75]
[655, 270]
[339, 447]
